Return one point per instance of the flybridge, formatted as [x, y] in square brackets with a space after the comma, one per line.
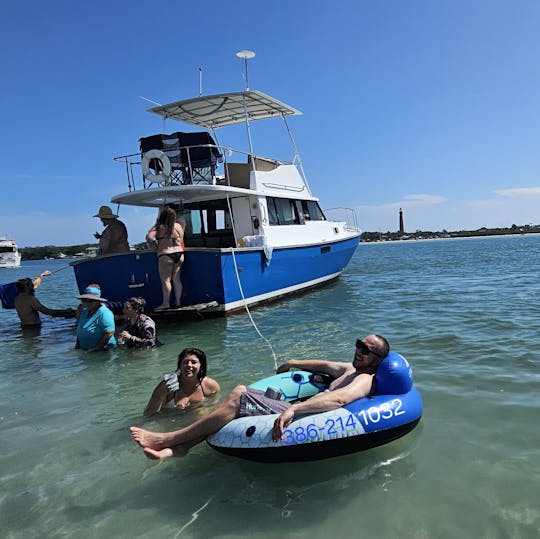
[219, 110]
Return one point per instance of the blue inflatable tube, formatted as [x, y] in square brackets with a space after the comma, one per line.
[394, 410]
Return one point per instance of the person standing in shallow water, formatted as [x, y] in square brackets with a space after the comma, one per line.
[139, 329]
[114, 238]
[167, 238]
[28, 306]
[351, 381]
[95, 327]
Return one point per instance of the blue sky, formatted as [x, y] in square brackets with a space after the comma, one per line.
[432, 106]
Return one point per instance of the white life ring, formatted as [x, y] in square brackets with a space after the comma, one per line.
[157, 177]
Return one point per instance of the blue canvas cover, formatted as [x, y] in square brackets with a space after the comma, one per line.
[7, 295]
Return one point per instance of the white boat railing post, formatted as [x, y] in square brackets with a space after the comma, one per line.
[296, 154]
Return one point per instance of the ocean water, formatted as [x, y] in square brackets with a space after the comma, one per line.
[464, 312]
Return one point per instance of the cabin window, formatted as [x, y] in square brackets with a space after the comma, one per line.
[312, 211]
[282, 211]
[208, 224]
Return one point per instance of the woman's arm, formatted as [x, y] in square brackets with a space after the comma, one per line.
[142, 334]
[151, 238]
[160, 397]
[210, 386]
[180, 234]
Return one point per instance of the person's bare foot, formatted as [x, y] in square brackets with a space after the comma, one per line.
[162, 307]
[158, 455]
[147, 439]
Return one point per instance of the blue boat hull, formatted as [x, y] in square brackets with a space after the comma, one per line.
[212, 275]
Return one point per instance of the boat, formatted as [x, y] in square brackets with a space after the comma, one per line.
[392, 412]
[253, 229]
[10, 257]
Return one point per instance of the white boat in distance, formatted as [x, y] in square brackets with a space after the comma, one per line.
[10, 257]
[253, 229]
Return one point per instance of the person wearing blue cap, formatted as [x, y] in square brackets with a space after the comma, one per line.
[95, 328]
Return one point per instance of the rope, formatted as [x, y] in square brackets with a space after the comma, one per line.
[194, 516]
[60, 269]
[52, 272]
[242, 290]
[249, 312]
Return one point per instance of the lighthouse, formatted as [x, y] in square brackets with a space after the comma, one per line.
[401, 227]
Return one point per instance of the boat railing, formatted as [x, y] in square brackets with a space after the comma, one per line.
[346, 215]
[221, 166]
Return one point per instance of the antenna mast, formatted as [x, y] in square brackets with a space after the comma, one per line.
[246, 55]
[200, 81]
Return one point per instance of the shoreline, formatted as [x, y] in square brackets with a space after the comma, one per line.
[413, 240]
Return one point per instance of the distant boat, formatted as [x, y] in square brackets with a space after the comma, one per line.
[253, 230]
[10, 257]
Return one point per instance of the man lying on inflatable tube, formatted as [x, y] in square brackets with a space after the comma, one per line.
[351, 381]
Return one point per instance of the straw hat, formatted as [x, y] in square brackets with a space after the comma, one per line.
[93, 293]
[105, 212]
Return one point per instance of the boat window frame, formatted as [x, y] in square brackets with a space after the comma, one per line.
[304, 210]
[214, 228]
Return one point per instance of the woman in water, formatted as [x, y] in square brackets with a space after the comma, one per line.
[188, 384]
[95, 327]
[167, 238]
[139, 330]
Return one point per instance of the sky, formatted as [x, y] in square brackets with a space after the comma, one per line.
[432, 106]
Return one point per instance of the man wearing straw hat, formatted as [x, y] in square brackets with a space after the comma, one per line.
[114, 238]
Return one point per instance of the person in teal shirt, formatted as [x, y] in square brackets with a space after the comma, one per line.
[95, 328]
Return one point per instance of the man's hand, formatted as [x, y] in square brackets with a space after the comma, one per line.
[45, 273]
[281, 423]
[284, 367]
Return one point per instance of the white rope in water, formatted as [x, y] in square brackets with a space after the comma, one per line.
[249, 313]
[194, 516]
[240, 286]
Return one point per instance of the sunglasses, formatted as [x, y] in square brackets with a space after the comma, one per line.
[364, 349]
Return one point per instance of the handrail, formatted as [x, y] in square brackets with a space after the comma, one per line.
[184, 175]
[350, 218]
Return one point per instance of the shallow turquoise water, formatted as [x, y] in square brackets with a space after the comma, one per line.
[465, 314]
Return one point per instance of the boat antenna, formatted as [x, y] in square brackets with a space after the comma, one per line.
[159, 105]
[200, 81]
[246, 55]
[150, 101]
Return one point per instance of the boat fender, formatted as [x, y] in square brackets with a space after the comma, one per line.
[160, 176]
[393, 376]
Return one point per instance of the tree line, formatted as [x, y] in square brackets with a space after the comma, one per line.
[428, 234]
[55, 251]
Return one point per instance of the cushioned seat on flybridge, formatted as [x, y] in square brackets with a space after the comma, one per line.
[194, 156]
